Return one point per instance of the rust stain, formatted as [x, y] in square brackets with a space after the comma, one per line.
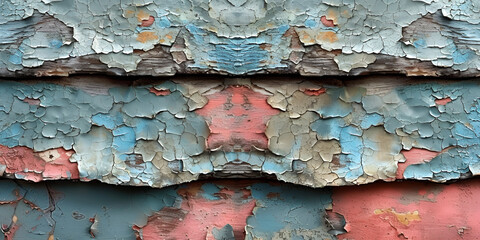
[142, 15]
[332, 15]
[144, 37]
[327, 36]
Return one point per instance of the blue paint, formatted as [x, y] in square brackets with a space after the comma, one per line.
[371, 120]
[351, 144]
[420, 43]
[328, 129]
[310, 23]
[163, 22]
[461, 56]
[16, 57]
[124, 139]
[197, 33]
[9, 137]
[147, 129]
[56, 43]
[104, 120]
[209, 191]
[294, 208]
[236, 55]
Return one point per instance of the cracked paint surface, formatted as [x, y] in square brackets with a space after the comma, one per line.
[239, 37]
[300, 132]
[238, 209]
[219, 210]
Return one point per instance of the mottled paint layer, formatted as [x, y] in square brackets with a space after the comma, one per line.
[239, 209]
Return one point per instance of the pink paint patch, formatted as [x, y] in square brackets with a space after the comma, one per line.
[9, 233]
[32, 101]
[148, 22]
[48, 165]
[162, 92]
[414, 156]
[237, 118]
[197, 216]
[326, 22]
[315, 92]
[443, 101]
[413, 210]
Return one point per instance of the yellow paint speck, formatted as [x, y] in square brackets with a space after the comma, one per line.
[404, 218]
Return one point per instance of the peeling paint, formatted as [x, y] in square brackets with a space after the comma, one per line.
[239, 37]
[300, 132]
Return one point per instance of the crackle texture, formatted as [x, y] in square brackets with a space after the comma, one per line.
[304, 132]
[162, 37]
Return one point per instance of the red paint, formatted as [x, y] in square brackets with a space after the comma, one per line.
[148, 22]
[237, 118]
[36, 166]
[326, 22]
[9, 233]
[414, 156]
[435, 211]
[32, 101]
[443, 101]
[197, 216]
[314, 92]
[161, 92]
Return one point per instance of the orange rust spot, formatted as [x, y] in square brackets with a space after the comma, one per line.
[273, 195]
[144, 37]
[403, 218]
[414, 156]
[326, 22]
[327, 36]
[142, 15]
[306, 38]
[333, 16]
[265, 46]
[315, 92]
[160, 92]
[443, 101]
[148, 22]
[169, 36]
